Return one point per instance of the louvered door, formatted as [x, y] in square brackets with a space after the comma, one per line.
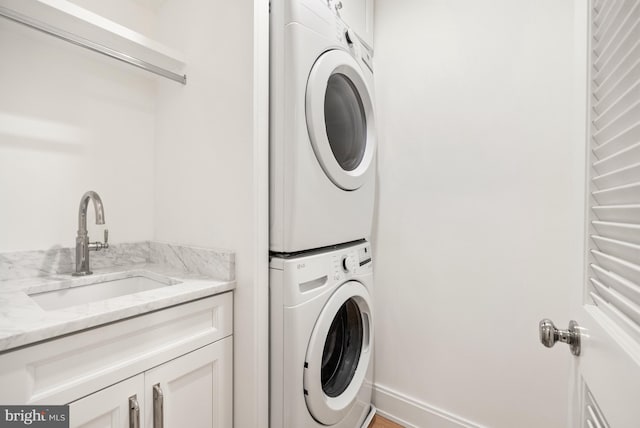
[607, 381]
[615, 184]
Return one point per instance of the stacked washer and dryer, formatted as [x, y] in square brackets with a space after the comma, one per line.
[322, 184]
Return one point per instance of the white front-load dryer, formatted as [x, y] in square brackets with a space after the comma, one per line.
[322, 133]
[321, 338]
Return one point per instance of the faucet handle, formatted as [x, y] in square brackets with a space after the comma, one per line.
[97, 246]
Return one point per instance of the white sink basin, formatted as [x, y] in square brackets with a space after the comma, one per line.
[99, 288]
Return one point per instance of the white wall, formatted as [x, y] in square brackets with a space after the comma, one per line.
[479, 220]
[71, 121]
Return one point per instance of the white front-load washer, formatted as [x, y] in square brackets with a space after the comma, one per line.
[321, 338]
[322, 130]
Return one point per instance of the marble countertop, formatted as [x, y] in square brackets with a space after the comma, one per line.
[24, 322]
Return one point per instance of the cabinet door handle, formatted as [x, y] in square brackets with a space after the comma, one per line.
[134, 412]
[158, 406]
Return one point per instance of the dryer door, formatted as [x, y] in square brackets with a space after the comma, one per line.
[338, 354]
[340, 119]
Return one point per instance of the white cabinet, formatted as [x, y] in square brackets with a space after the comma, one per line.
[358, 14]
[184, 351]
[109, 407]
[193, 391]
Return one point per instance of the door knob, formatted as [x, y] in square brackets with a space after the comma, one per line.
[549, 335]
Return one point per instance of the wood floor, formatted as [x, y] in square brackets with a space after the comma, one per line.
[380, 422]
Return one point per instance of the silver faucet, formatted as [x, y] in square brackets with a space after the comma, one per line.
[83, 246]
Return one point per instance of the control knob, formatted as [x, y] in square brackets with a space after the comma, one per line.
[349, 264]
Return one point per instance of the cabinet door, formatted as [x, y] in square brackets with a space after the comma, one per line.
[193, 391]
[109, 408]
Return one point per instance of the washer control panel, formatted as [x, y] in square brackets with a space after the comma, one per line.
[352, 262]
[349, 263]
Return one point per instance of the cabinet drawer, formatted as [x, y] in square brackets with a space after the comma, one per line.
[64, 369]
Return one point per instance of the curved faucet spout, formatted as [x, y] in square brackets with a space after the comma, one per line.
[82, 211]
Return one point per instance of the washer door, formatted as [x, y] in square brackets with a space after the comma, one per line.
[338, 354]
[340, 119]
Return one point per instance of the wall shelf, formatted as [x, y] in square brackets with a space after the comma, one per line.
[82, 27]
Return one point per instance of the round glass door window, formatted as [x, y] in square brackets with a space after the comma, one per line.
[342, 348]
[338, 354]
[340, 119]
[345, 121]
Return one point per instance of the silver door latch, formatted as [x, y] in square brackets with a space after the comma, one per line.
[549, 335]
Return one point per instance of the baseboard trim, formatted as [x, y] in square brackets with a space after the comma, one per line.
[370, 416]
[412, 413]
